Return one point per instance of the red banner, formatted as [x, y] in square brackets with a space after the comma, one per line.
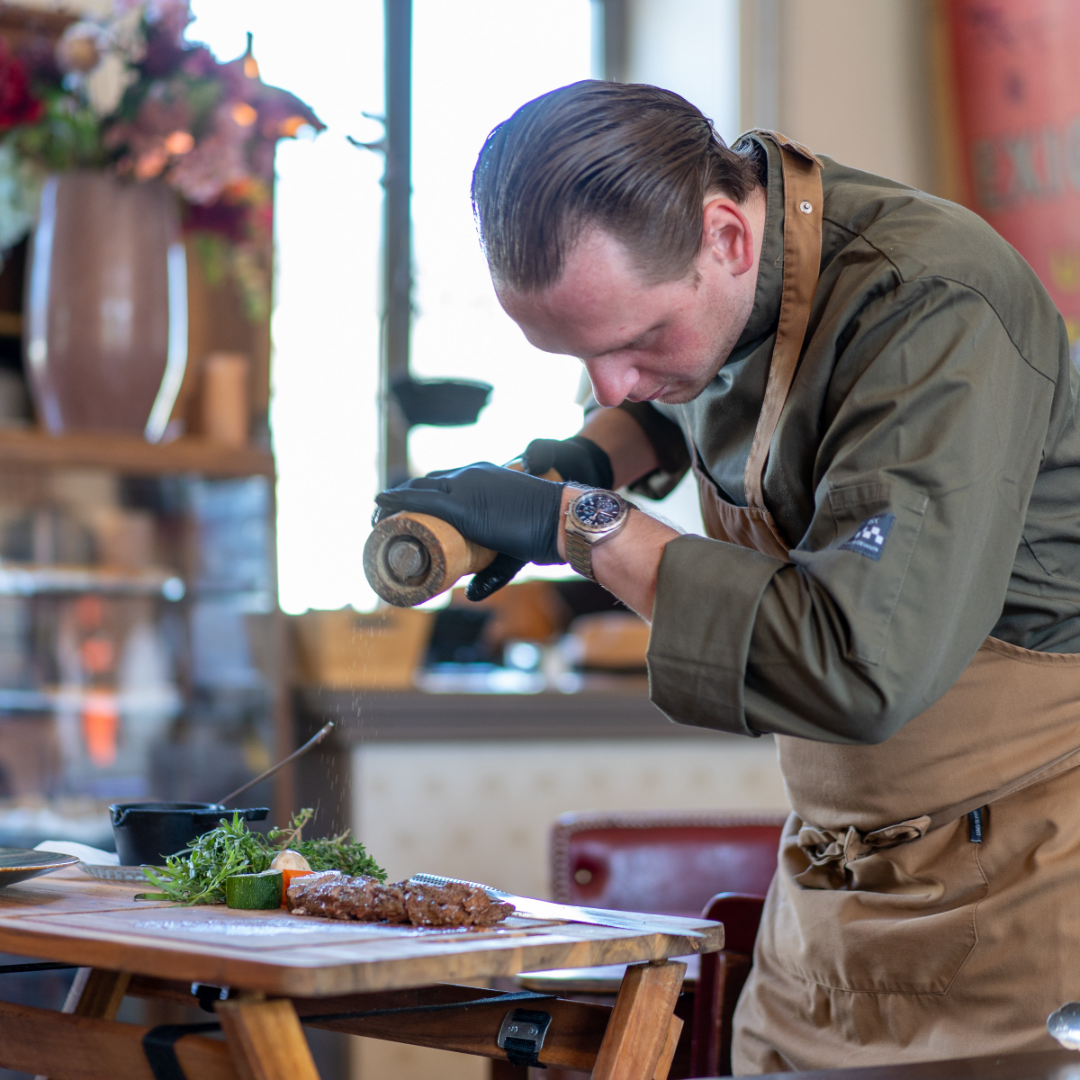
[1016, 66]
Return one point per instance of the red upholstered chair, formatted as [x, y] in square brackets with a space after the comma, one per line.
[715, 865]
[721, 978]
[670, 863]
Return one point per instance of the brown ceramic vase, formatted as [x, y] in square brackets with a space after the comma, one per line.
[106, 306]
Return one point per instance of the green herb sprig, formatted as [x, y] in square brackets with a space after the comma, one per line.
[198, 877]
[327, 853]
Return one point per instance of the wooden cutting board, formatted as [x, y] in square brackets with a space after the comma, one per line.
[71, 918]
[263, 931]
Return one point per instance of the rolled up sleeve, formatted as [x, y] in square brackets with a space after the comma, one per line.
[698, 652]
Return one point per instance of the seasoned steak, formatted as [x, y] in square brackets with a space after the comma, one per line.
[453, 904]
[333, 895]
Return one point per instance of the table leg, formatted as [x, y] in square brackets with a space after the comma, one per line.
[266, 1040]
[667, 1054]
[96, 993]
[640, 1025]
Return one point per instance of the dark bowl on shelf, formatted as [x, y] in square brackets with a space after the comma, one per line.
[149, 832]
[441, 402]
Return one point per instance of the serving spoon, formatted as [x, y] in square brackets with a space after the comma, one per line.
[1064, 1025]
[309, 745]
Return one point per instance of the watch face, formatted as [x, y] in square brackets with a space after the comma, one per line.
[598, 509]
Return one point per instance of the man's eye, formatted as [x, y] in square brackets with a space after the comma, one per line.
[646, 341]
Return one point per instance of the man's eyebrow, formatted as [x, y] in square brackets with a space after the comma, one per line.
[629, 344]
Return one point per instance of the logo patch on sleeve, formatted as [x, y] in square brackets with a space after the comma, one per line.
[871, 536]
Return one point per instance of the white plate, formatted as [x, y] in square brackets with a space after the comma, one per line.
[18, 864]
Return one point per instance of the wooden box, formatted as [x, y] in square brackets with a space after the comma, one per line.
[610, 641]
[348, 649]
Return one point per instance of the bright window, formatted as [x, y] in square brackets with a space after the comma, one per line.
[474, 62]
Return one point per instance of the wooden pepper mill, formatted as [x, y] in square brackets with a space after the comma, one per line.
[409, 558]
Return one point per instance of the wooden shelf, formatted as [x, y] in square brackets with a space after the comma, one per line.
[26, 579]
[605, 708]
[19, 22]
[132, 455]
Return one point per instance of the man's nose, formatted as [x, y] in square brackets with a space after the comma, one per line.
[611, 382]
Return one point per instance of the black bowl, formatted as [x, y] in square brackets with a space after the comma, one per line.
[441, 402]
[151, 831]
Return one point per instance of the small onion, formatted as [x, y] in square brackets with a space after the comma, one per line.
[289, 860]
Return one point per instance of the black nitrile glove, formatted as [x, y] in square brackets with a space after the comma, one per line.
[511, 512]
[491, 579]
[577, 459]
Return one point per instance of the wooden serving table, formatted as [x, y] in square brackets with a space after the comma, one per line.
[268, 973]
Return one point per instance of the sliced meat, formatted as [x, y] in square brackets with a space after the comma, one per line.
[453, 904]
[312, 894]
[484, 911]
[334, 895]
[389, 904]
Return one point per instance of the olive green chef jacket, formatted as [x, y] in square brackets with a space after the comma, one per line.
[935, 386]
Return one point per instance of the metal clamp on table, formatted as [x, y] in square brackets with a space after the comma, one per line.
[522, 1036]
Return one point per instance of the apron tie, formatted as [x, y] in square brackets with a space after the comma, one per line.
[825, 846]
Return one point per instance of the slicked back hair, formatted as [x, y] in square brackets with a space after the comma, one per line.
[634, 160]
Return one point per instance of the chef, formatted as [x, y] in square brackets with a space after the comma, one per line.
[876, 396]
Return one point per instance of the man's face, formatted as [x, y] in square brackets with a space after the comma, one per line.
[638, 341]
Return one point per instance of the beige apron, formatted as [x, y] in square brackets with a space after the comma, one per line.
[901, 926]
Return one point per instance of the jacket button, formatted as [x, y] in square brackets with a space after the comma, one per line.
[805, 207]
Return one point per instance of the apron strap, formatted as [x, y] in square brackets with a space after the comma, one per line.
[802, 261]
[1062, 763]
[844, 846]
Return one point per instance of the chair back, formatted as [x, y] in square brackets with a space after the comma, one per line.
[668, 863]
[720, 981]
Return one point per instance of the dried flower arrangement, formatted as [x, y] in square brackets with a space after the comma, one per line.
[129, 94]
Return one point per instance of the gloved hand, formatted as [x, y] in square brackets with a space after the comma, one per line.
[577, 459]
[512, 512]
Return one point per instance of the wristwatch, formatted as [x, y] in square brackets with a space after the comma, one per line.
[591, 518]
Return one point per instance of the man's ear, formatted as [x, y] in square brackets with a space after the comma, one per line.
[726, 235]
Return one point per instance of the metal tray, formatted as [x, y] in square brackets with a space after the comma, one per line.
[132, 874]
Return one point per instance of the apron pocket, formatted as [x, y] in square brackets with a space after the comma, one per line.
[895, 921]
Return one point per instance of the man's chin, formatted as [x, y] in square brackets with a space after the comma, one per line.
[681, 395]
